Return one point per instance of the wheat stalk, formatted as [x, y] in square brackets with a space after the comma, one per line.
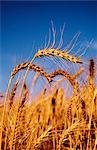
[78, 73]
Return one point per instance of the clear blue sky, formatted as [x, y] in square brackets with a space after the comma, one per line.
[25, 23]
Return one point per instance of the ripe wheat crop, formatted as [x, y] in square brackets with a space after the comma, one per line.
[51, 120]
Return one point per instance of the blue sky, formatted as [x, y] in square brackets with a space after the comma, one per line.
[24, 26]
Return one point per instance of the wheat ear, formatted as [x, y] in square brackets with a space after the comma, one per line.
[71, 78]
[22, 104]
[12, 94]
[92, 68]
[61, 72]
[91, 75]
[32, 67]
[58, 53]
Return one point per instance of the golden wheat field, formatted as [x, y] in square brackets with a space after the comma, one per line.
[52, 120]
